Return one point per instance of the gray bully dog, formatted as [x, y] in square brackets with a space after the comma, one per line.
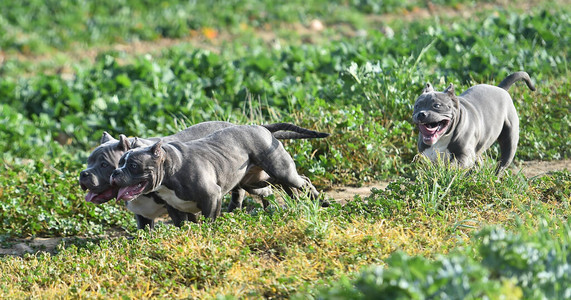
[462, 127]
[194, 176]
[105, 158]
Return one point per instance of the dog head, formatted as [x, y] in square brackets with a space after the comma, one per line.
[100, 164]
[140, 171]
[434, 113]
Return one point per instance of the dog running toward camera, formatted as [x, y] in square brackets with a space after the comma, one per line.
[460, 128]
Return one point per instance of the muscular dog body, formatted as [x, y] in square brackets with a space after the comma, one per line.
[460, 128]
[104, 159]
[194, 176]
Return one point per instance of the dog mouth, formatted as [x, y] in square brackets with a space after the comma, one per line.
[431, 132]
[100, 198]
[131, 192]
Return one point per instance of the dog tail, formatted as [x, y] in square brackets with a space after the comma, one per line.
[293, 132]
[507, 83]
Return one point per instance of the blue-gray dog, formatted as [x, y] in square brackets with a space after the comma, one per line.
[460, 128]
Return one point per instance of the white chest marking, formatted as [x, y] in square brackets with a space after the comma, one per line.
[439, 149]
[146, 207]
[183, 205]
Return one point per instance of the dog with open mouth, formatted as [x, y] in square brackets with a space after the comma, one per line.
[194, 176]
[105, 158]
[460, 128]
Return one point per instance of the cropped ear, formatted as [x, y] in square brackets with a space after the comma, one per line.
[156, 149]
[106, 138]
[428, 88]
[450, 90]
[123, 143]
[136, 143]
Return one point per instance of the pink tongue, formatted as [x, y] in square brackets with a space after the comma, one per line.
[89, 197]
[429, 135]
[122, 194]
[129, 192]
[429, 140]
[427, 131]
[100, 198]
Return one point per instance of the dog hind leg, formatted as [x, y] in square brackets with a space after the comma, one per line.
[281, 167]
[508, 140]
[262, 192]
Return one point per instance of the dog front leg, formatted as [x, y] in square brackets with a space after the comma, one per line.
[465, 160]
[211, 205]
[142, 222]
[237, 198]
[178, 216]
[212, 208]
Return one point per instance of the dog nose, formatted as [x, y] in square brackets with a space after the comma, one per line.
[421, 116]
[113, 177]
[115, 173]
[83, 174]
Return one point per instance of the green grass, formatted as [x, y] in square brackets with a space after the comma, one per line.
[437, 230]
[300, 247]
[360, 90]
[43, 26]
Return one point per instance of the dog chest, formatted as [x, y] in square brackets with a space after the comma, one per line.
[183, 205]
[433, 153]
[439, 149]
[146, 207]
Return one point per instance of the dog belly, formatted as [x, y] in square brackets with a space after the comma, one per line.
[256, 177]
[183, 205]
[146, 207]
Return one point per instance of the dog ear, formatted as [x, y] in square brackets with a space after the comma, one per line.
[450, 92]
[156, 149]
[136, 143]
[428, 88]
[106, 138]
[123, 143]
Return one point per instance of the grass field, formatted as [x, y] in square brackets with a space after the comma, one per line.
[71, 70]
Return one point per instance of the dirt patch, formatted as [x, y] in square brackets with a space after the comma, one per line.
[529, 169]
[31, 246]
[536, 168]
[346, 193]
[19, 247]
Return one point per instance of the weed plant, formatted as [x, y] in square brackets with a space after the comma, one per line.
[510, 265]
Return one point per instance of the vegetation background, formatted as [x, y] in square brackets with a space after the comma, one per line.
[70, 70]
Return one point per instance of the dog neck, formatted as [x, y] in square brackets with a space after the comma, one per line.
[172, 159]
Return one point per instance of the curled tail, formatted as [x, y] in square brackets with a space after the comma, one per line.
[293, 132]
[507, 83]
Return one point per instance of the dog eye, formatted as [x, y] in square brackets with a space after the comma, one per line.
[133, 166]
[104, 164]
[436, 105]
